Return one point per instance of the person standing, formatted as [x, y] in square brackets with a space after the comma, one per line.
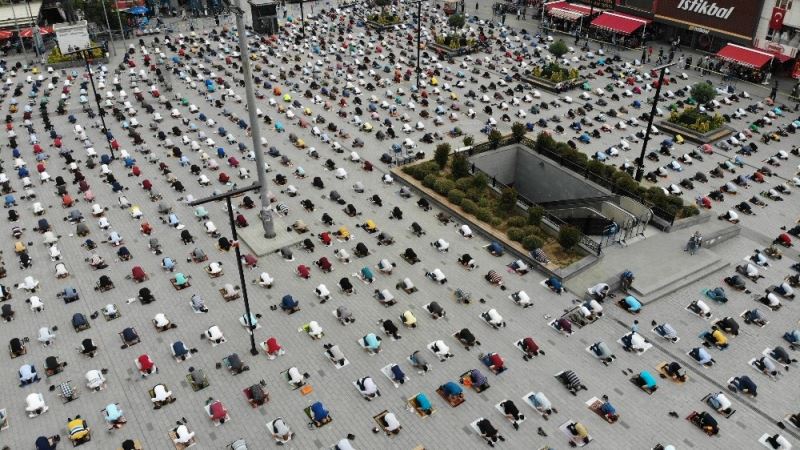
[774, 92]
[503, 19]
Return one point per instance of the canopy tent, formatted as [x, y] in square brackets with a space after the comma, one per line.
[568, 11]
[619, 23]
[28, 32]
[744, 56]
[18, 14]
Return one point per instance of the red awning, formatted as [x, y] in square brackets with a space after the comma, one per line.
[619, 23]
[782, 58]
[5, 34]
[745, 56]
[569, 11]
[28, 32]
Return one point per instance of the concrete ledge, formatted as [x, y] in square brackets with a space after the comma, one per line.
[718, 237]
[681, 224]
[253, 237]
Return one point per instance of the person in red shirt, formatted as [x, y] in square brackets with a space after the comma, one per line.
[494, 362]
[304, 271]
[324, 264]
[136, 171]
[241, 221]
[147, 229]
[223, 177]
[146, 365]
[147, 185]
[272, 348]
[218, 412]
[531, 349]
[138, 274]
[326, 238]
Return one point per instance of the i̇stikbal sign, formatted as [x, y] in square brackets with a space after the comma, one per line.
[733, 18]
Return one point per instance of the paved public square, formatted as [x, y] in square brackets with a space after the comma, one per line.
[289, 65]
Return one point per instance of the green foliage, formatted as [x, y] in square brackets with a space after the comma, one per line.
[693, 119]
[430, 180]
[558, 48]
[517, 221]
[475, 194]
[515, 234]
[455, 196]
[441, 154]
[456, 21]
[443, 185]
[495, 136]
[532, 241]
[55, 55]
[508, 200]
[535, 214]
[459, 166]
[484, 214]
[480, 182]
[569, 237]
[469, 206]
[464, 184]
[495, 221]
[518, 130]
[703, 92]
[468, 140]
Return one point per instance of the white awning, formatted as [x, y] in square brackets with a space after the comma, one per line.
[18, 14]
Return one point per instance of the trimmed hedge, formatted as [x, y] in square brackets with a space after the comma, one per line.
[484, 214]
[515, 234]
[430, 180]
[455, 196]
[469, 206]
[535, 214]
[532, 241]
[517, 221]
[443, 185]
[568, 236]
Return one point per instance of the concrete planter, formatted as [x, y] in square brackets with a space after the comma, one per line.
[379, 27]
[552, 86]
[694, 136]
[76, 63]
[453, 52]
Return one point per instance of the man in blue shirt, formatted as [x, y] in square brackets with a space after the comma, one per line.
[319, 414]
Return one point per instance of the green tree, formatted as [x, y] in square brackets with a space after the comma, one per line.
[535, 214]
[468, 141]
[495, 136]
[558, 48]
[508, 200]
[479, 182]
[569, 237]
[459, 166]
[518, 130]
[703, 92]
[456, 22]
[441, 154]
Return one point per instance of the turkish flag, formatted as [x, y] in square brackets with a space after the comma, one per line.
[776, 22]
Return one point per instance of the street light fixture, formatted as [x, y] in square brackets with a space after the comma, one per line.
[265, 214]
[86, 54]
[235, 237]
[640, 161]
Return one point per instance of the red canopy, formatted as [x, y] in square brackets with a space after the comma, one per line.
[745, 56]
[619, 23]
[28, 32]
[568, 11]
[5, 34]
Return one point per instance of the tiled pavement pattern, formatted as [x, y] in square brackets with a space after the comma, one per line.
[644, 419]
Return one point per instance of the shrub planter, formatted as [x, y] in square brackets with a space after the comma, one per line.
[379, 27]
[76, 63]
[551, 86]
[453, 52]
[695, 136]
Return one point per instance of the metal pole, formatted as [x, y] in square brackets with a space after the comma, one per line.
[100, 111]
[108, 27]
[16, 24]
[253, 350]
[34, 29]
[121, 28]
[302, 19]
[419, 37]
[644, 46]
[266, 215]
[640, 162]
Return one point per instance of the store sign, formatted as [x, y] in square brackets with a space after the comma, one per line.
[734, 18]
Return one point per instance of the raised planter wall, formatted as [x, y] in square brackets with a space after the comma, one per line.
[453, 51]
[694, 136]
[551, 86]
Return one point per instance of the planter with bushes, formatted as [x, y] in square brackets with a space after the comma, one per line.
[696, 126]
[383, 22]
[553, 77]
